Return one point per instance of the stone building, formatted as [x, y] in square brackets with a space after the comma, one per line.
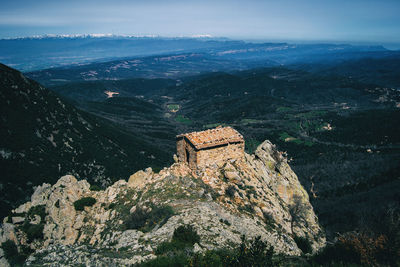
[199, 149]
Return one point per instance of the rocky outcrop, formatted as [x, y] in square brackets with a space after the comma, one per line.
[255, 195]
[138, 179]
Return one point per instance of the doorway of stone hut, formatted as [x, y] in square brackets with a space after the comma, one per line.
[187, 156]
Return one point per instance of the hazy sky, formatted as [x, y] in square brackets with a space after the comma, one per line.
[330, 20]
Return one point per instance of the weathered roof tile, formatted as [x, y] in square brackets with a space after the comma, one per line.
[213, 137]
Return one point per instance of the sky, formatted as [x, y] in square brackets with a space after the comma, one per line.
[374, 21]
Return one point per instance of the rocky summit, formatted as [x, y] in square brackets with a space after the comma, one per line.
[73, 223]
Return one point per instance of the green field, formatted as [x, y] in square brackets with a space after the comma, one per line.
[173, 107]
[182, 119]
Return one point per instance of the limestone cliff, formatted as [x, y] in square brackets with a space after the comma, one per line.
[256, 195]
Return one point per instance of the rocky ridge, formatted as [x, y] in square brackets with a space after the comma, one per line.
[256, 195]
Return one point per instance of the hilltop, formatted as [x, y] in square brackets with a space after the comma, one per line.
[69, 223]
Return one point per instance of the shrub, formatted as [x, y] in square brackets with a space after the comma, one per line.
[179, 260]
[95, 187]
[12, 255]
[137, 219]
[230, 191]
[212, 258]
[84, 202]
[37, 210]
[111, 206]
[145, 221]
[303, 244]
[33, 231]
[183, 237]
[253, 253]
[298, 209]
[156, 169]
[171, 246]
[352, 248]
[186, 234]
[246, 208]
[332, 254]
[225, 222]
[256, 253]
[269, 220]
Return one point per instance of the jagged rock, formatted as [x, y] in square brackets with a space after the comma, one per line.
[139, 179]
[266, 199]
[8, 233]
[39, 196]
[129, 238]
[3, 261]
[111, 192]
[23, 208]
[197, 248]
[232, 175]
[17, 220]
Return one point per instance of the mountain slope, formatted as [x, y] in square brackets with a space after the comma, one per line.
[42, 137]
[260, 92]
[96, 90]
[383, 71]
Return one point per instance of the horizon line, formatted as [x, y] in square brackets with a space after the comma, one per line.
[209, 36]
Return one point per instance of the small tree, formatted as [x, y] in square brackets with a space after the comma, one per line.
[256, 254]
[298, 209]
[186, 234]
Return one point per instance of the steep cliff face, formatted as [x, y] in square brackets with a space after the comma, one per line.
[256, 195]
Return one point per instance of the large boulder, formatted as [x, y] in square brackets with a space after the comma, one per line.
[140, 178]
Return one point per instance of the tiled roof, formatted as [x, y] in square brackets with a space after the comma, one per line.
[213, 137]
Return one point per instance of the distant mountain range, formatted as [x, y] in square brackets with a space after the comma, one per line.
[109, 35]
[29, 54]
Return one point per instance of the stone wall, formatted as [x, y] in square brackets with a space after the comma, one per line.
[186, 152]
[200, 158]
[219, 154]
[180, 149]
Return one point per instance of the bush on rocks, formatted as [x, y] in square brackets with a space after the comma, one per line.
[185, 236]
[84, 202]
[146, 220]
